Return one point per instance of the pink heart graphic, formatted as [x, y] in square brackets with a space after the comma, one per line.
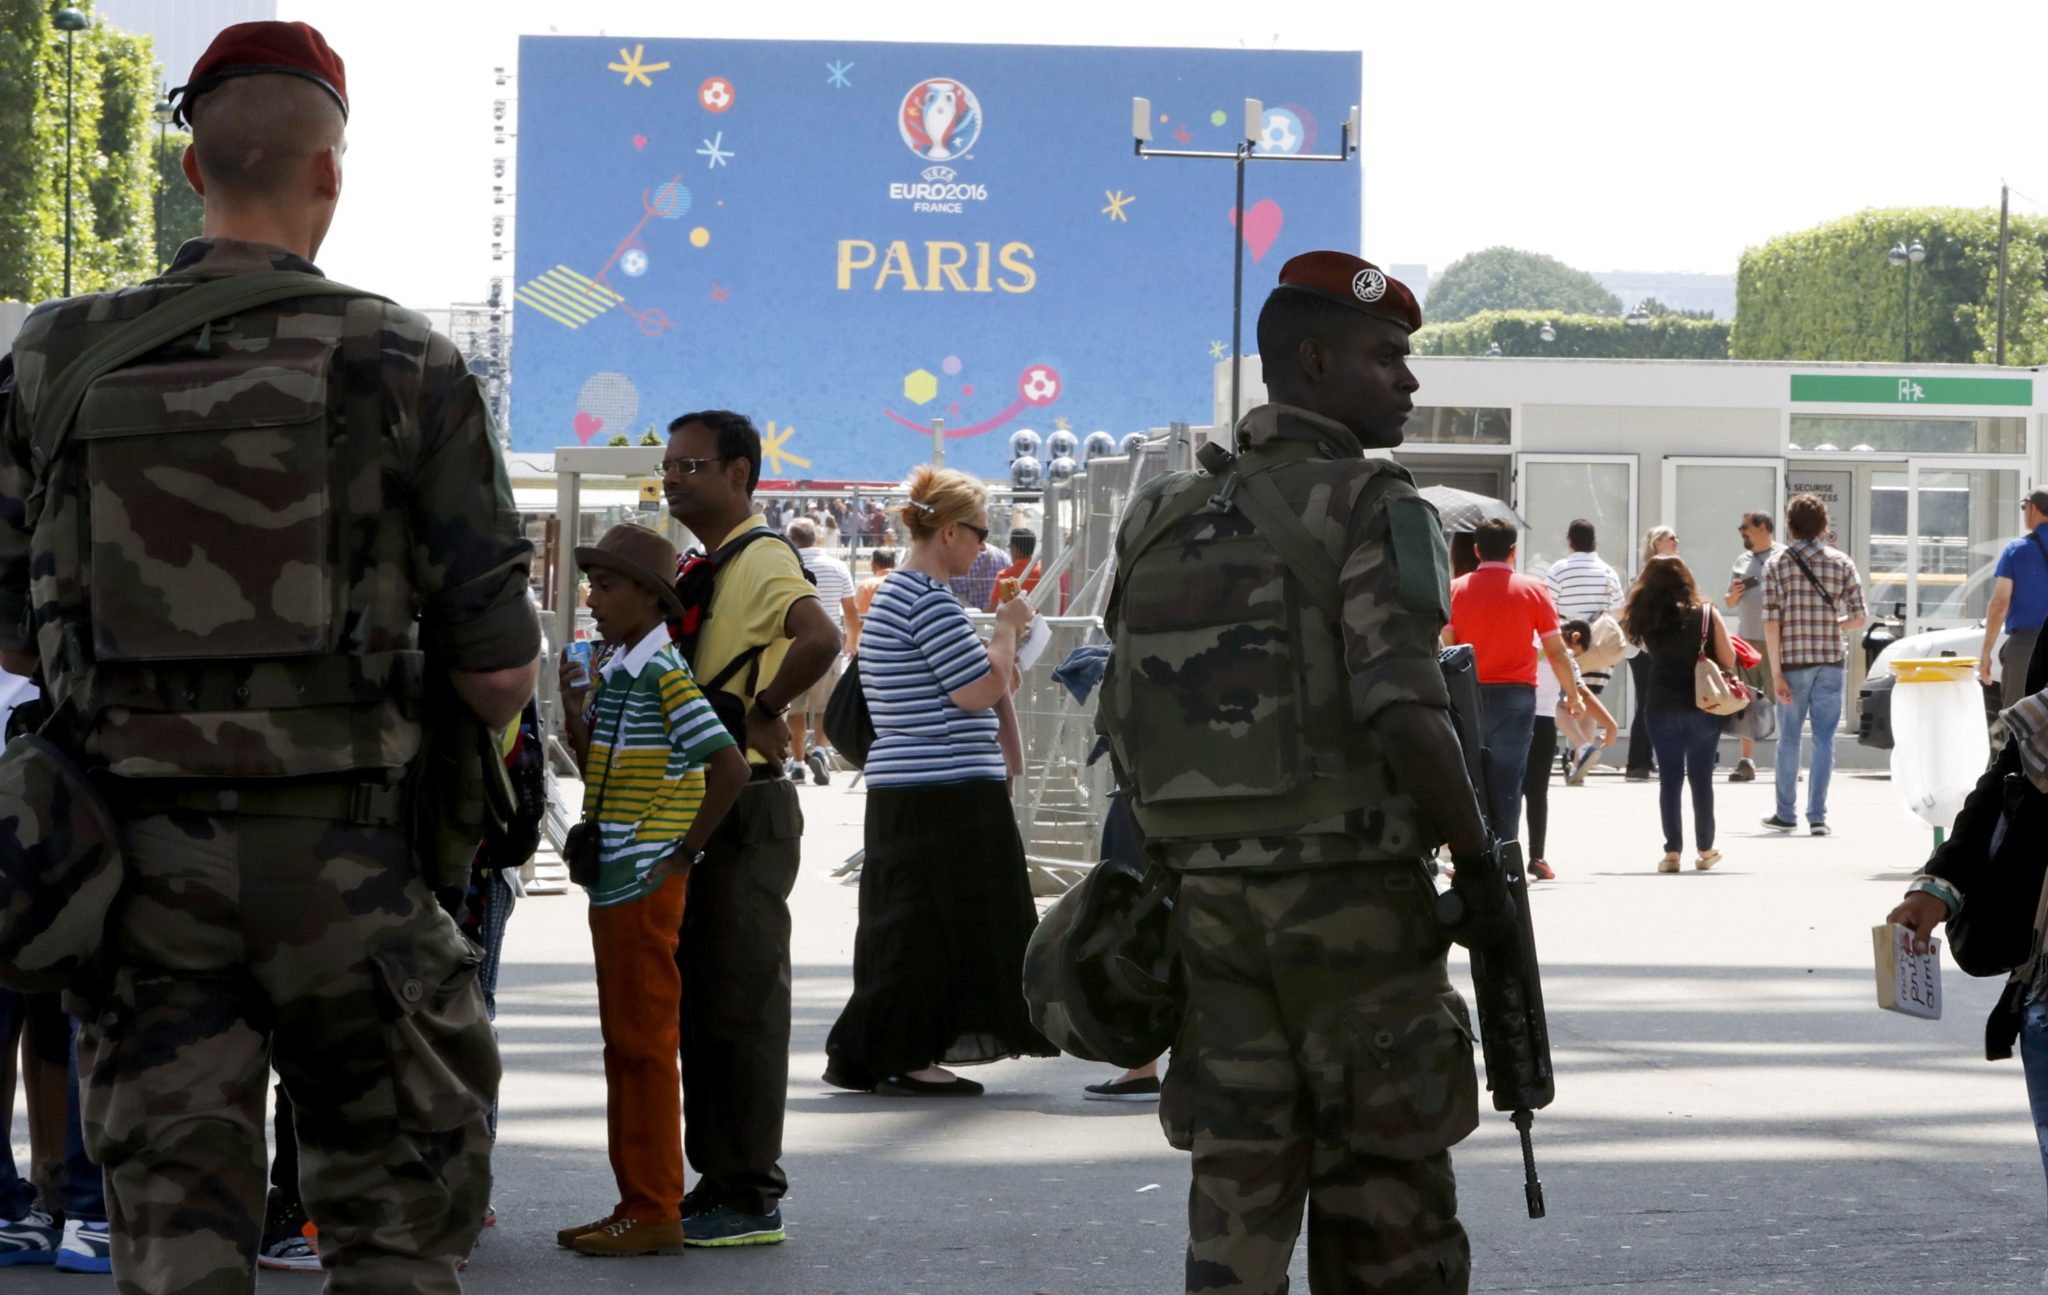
[587, 426]
[639, 142]
[1261, 226]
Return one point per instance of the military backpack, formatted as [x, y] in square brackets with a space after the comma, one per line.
[1226, 700]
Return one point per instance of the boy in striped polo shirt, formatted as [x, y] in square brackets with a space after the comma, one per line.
[659, 772]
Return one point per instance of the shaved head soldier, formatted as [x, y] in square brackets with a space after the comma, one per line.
[254, 524]
[1275, 643]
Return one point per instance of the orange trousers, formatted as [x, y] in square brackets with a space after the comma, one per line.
[639, 1002]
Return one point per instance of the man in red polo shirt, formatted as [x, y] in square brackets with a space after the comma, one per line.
[1504, 616]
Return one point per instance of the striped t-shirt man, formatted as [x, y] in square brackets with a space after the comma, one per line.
[917, 647]
[651, 732]
[1584, 587]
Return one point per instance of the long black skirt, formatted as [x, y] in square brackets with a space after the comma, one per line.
[938, 961]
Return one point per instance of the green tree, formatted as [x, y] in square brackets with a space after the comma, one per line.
[112, 179]
[182, 212]
[1831, 293]
[1506, 278]
[1668, 336]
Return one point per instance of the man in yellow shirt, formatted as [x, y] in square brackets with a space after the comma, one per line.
[762, 638]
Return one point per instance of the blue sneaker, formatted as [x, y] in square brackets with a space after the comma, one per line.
[725, 1226]
[86, 1248]
[30, 1239]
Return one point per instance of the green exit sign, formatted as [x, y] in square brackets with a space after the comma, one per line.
[1871, 389]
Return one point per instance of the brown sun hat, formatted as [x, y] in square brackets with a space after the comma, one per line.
[643, 555]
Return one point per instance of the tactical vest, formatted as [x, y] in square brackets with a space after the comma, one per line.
[1227, 701]
[221, 553]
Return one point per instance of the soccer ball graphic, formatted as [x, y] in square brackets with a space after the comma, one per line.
[1039, 385]
[1282, 133]
[716, 94]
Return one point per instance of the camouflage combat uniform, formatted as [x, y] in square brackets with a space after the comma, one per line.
[1324, 1053]
[244, 591]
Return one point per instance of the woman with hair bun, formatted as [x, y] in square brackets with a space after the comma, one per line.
[945, 901]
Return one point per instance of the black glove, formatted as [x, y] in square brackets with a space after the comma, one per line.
[1477, 911]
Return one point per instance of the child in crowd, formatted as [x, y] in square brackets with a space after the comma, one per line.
[1551, 719]
[659, 772]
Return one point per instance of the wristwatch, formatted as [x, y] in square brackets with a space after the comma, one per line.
[765, 708]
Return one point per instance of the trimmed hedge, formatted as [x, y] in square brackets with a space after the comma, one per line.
[1581, 337]
[1829, 293]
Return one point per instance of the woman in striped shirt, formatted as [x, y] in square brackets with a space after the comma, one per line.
[945, 902]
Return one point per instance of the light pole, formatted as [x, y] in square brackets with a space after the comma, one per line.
[69, 21]
[164, 112]
[1246, 151]
[1908, 257]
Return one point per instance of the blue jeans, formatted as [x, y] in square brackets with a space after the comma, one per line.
[1816, 696]
[1507, 724]
[2034, 1059]
[1688, 742]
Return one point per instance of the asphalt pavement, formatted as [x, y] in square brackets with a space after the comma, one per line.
[1734, 1113]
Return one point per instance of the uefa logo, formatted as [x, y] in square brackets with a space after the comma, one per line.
[940, 119]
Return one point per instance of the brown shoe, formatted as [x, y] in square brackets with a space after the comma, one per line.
[566, 1238]
[632, 1237]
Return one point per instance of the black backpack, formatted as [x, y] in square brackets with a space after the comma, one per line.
[696, 583]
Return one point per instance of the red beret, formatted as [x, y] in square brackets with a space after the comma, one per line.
[1356, 283]
[264, 48]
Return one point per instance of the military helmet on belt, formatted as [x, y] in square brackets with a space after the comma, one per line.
[1099, 973]
[60, 867]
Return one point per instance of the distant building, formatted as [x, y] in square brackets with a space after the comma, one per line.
[1715, 292]
[182, 30]
[1415, 276]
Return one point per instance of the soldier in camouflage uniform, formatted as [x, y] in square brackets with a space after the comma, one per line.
[1275, 639]
[225, 574]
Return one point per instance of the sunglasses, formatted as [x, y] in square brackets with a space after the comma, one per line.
[980, 532]
[687, 467]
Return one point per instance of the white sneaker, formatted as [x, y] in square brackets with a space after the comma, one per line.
[86, 1249]
[30, 1239]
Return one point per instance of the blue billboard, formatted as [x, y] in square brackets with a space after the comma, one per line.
[846, 241]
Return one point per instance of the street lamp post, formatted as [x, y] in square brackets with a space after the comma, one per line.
[164, 112]
[1908, 257]
[69, 21]
[1247, 150]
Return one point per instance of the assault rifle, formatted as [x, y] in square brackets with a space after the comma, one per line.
[1506, 979]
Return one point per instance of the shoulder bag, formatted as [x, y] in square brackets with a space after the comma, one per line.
[1714, 689]
[580, 846]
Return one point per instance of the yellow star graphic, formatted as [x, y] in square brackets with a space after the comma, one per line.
[774, 447]
[633, 68]
[1063, 424]
[1118, 200]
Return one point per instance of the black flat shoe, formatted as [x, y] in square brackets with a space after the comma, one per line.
[851, 1085]
[905, 1086]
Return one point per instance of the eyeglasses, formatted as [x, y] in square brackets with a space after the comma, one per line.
[980, 532]
[687, 467]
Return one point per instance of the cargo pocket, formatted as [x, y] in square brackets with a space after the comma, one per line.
[444, 1061]
[1410, 1084]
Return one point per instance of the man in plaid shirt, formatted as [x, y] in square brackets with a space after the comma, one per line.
[1812, 602]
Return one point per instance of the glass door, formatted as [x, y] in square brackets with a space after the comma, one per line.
[1554, 490]
[1958, 518]
[1705, 501]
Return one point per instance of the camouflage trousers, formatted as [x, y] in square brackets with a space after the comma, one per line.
[243, 943]
[1324, 1057]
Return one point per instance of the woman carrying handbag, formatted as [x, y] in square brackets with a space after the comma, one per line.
[1686, 642]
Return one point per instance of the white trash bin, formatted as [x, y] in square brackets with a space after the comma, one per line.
[1940, 743]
